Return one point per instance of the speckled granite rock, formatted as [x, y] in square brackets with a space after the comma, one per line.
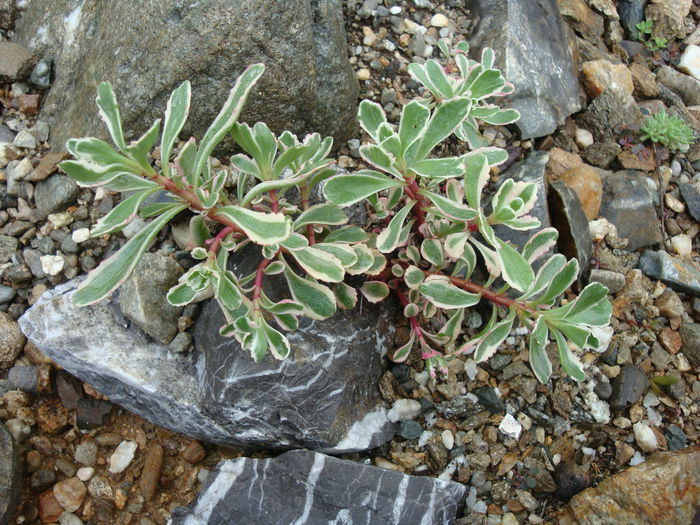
[324, 398]
[533, 53]
[303, 487]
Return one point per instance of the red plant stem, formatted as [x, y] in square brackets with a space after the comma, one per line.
[413, 191]
[216, 242]
[259, 274]
[414, 323]
[275, 202]
[310, 234]
[487, 294]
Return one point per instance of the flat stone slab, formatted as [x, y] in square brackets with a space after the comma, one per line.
[217, 394]
[674, 272]
[307, 488]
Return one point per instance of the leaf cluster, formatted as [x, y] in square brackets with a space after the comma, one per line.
[431, 227]
[667, 130]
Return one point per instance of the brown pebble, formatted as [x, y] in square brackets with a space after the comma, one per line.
[44, 378]
[35, 355]
[194, 453]
[150, 474]
[29, 104]
[51, 416]
[49, 507]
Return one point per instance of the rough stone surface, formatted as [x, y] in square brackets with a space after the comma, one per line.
[629, 205]
[8, 11]
[664, 490]
[599, 75]
[587, 183]
[308, 487]
[679, 275]
[54, 194]
[142, 297]
[15, 62]
[690, 333]
[684, 85]
[263, 405]
[667, 17]
[308, 85]
[10, 477]
[691, 196]
[538, 62]
[8, 246]
[11, 340]
[628, 387]
[607, 112]
[569, 219]
[631, 13]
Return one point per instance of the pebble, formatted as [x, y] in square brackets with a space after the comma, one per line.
[122, 456]
[603, 390]
[68, 518]
[682, 244]
[52, 264]
[409, 429]
[439, 20]
[583, 138]
[570, 479]
[85, 473]
[25, 139]
[404, 409]
[614, 281]
[11, 340]
[42, 479]
[645, 437]
[70, 493]
[690, 61]
[86, 453]
[448, 439]
[59, 220]
[24, 378]
[363, 74]
[510, 427]
[150, 474]
[629, 386]
[80, 235]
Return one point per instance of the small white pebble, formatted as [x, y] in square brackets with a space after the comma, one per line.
[395, 10]
[622, 422]
[122, 456]
[439, 20]
[52, 264]
[24, 139]
[645, 437]
[410, 27]
[422, 377]
[650, 399]
[471, 369]
[540, 435]
[525, 420]
[510, 427]
[509, 519]
[600, 410]
[682, 244]
[636, 459]
[588, 451]
[583, 138]
[85, 473]
[22, 169]
[59, 220]
[202, 475]
[654, 417]
[556, 459]
[674, 203]
[599, 228]
[404, 409]
[424, 438]
[448, 439]
[363, 74]
[80, 235]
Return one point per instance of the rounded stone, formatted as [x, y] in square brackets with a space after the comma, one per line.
[11, 340]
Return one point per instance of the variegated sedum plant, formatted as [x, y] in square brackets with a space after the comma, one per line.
[429, 225]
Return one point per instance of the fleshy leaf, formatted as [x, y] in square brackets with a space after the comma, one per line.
[261, 228]
[346, 189]
[175, 116]
[443, 294]
[318, 300]
[388, 239]
[374, 291]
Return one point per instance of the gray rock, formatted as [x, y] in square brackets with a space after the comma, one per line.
[181, 343]
[11, 340]
[41, 74]
[691, 196]
[531, 169]
[6, 294]
[307, 488]
[607, 112]
[308, 86]
[629, 205]
[631, 13]
[629, 386]
[676, 273]
[490, 399]
[614, 281]
[8, 10]
[24, 378]
[15, 62]
[409, 429]
[6, 134]
[32, 258]
[142, 297]
[86, 453]
[10, 477]
[570, 479]
[533, 53]
[54, 194]
[217, 394]
[568, 218]
[8, 247]
[676, 438]
[602, 154]
[690, 333]
[603, 390]
[684, 85]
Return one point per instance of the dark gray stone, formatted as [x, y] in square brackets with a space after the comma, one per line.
[676, 438]
[142, 298]
[10, 477]
[691, 196]
[24, 378]
[15, 62]
[607, 113]
[603, 390]
[490, 399]
[8, 247]
[614, 281]
[676, 273]
[303, 487]
[55, 194]
[690, 333]
[324, 396]
[602, 154]
[530, 169]
[568, 218]
[148, 48]
[684, 85]
[629, 205]
[41, 73]
[631, 13]
[533, 53]
[459, 407]
[628, 387]
[570, 479]
[6, 134]
[409, 429]
[91, 413]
